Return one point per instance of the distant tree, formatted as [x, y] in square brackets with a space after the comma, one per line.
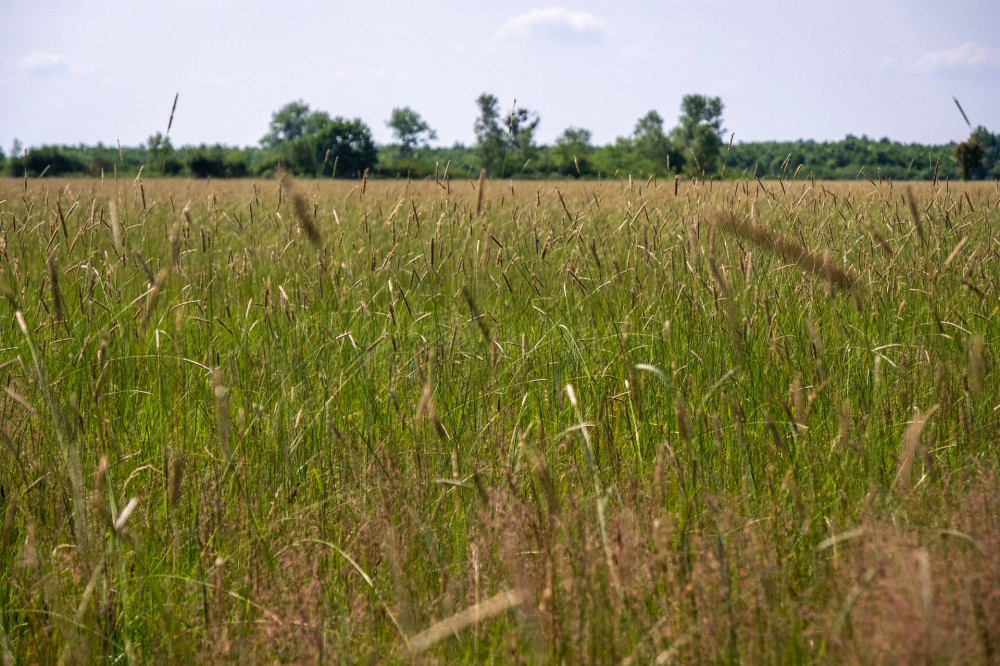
[350, 146]
[491, 142]
[571, 152]
[217, 161]
[701, 110]
[498, 138]
[267, 166]
[207, 162]
[287, 124]
[699, 135]
[235, 161]
[311, 142]
[53, 161]
[969, 154]
[100, 165]
[521, 126]
[164, 160]
[158, 143]
[13, 167]
[653, 143]
[978, 156]
[409, 129]
[991, 156]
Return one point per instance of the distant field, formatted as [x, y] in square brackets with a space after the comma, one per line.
[607, 422]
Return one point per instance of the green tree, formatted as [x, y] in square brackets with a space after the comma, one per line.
[316, 121]
[491, 141]
[311, 142]
[207, 162]
[979, 156]
[287, 124]
[53, 161]
[521, 126]
[969, 155]
[571, 152]
[991, 157]
[158, 143]
[409, 129]
[217, 161]
[699, 135]
[16, 154]
[652, 143]
[163, 157]
[346, 143]
[235, 161]
[100, 165]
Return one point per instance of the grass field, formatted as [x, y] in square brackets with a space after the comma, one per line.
[607, 422]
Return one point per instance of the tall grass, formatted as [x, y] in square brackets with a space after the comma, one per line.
[613, 422]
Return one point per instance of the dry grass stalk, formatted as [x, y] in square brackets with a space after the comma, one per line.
[8, 525]
[844, 416]
[175, 242]
[425, 407]
[820, 264]
[116, 229]
[683, 420]
[911, 201]
[693, 246]
[19, 399]
[735, 329]
[475, 614]
[923, 559]
[977, 364]
[479, 192]
[222, 408]
[795, 391]
[154, 292]
[57, 297]
[911, 444]
[395, 211]
[176, 479]
[307, 224]
[100, 491]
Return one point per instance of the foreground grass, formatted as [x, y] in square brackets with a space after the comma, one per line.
[608, 422]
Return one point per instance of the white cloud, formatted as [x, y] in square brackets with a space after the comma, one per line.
[554, 24]
[41, 63]
[969, 54]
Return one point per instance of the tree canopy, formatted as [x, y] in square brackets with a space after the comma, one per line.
[313, 143]
[699, 134]
[505, 140]
[571, 154]
[491, 144]
[409, 129]
[287, 124]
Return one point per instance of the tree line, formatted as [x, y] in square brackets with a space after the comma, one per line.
[312, 143]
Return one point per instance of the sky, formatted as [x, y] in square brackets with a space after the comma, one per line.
[79, 71]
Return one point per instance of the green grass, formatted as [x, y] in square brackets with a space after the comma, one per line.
[595, 423]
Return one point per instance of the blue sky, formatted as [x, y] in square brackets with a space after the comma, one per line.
[78, 71]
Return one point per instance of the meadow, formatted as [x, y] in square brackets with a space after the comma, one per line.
[608, 422]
